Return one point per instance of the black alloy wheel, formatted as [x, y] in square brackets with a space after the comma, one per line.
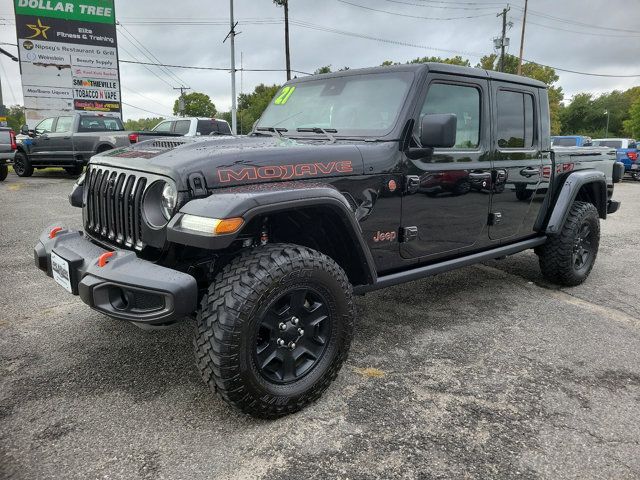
[292, 336]
[582, 248]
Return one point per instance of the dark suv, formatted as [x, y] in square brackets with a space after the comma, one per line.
[266, 238]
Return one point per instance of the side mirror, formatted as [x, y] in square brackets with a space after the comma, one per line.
[438, 130]
[24, 130]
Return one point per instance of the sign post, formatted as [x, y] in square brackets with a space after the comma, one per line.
[68, 57]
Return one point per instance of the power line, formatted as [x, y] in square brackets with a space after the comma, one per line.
[120, 47]
[457, 52]
[412, 16]
[443, 8]
[216, 69]
[145, 110]
[150, 54]
[597, 34]
[575, 22]
[143, 96]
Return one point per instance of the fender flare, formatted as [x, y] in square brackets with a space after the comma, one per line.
[568, 193]
[250, 202]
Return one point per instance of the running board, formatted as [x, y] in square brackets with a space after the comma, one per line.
[434, 269]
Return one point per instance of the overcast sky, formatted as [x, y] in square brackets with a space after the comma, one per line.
[569, 41]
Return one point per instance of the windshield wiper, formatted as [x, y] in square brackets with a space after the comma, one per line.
[277, 130]
[326, 131]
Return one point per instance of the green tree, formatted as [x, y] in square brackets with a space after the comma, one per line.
[15, 116]
[142, 123]
[538, 72]
[196, 104]
[632, 124]
[457, 60]
[251, 106]
[325, 69]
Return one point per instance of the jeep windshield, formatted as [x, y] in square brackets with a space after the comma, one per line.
[351, 105]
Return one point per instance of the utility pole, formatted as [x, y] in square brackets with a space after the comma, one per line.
[181, 104]
[285, 4]
[503, 40]
[606, 132]
[524, 23]
[232, 37]
[286, 38]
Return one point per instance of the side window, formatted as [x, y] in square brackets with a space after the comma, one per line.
[464, 101]
[163, 127]
[516, 119]
[205, 127]
[45, 126]
[182, 127]
[64, 124]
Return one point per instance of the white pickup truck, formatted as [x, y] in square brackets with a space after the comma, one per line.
[185, 127]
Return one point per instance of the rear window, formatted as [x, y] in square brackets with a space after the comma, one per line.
[205, 127]
[565, 142]
[89, 123]
[608, 143]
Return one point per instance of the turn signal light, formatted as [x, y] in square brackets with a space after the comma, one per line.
[228, 225]
[632, 155]
[54, 231]
[104, 259]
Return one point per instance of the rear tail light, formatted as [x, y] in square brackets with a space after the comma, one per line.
[133, 137]
[12, 137]
[632, 155]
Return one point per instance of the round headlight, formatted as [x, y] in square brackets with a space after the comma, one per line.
[169, 200]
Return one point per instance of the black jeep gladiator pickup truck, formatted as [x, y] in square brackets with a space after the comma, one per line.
[266, 238]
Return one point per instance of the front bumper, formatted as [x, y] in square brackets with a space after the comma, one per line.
[127, 287]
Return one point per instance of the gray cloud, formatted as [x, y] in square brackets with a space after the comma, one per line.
[262, 45]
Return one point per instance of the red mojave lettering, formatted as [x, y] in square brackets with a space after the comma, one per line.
[283, 172]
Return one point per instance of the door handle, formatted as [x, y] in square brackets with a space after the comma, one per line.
[480, 176]
[66, 138]
[529, 172]
[44, 137]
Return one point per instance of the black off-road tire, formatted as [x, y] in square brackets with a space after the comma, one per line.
[557, 257]
[74, 171]
[233, 310]
[22, 165]
[4, 171]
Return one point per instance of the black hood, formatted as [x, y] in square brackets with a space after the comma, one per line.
[227, 161]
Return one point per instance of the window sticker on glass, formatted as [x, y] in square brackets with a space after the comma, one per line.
[284, 95]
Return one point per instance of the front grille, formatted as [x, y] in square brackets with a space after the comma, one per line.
[114, 206]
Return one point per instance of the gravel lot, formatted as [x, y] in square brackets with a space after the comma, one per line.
[486, 372]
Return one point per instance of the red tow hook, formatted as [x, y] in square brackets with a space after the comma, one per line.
[54, 231]
[104, 258]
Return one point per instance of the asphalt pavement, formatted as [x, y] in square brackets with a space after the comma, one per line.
[486, 372]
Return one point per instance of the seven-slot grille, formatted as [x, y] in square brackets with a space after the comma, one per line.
[114, 206]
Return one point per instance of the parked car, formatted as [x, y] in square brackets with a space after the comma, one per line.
[571, 141]
[7, 150]
[185, 127]
[67, 141]
[265, 238]
[626, 152]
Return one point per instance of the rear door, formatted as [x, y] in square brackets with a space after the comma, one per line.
[517, 161]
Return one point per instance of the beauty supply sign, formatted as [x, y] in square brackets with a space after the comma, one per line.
[68, 57]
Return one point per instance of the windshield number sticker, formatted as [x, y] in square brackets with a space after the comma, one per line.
[284, 95]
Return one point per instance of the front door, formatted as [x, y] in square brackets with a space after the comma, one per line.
[61, 142]
[517, 162]
[40, 143]
[450, 205]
